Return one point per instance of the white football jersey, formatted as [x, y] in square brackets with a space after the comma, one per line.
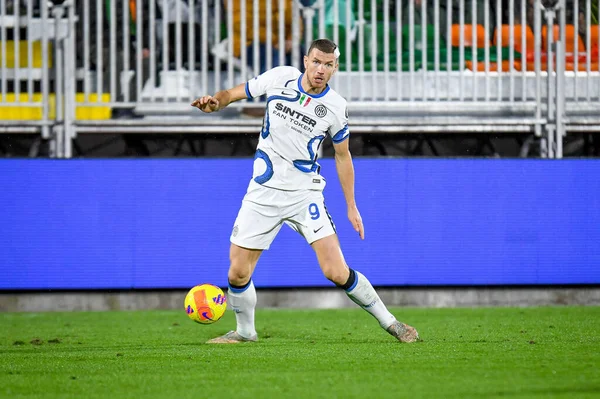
[294, 126]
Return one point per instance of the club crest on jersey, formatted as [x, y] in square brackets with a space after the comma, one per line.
[320, 111]
[305, 100]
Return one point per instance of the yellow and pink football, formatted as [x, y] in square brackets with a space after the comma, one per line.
[205, 303]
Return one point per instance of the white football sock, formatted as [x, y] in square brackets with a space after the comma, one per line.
[363, 294]
[243, 302]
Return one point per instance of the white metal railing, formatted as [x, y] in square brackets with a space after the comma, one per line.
[201, 46]
[427, 57]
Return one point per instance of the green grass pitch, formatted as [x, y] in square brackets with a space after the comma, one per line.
[479, 353]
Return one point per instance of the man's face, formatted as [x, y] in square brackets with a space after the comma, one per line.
[319, 67]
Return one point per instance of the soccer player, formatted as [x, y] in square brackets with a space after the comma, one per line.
[286, 186]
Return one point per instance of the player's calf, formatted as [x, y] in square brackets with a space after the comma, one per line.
[359, 289]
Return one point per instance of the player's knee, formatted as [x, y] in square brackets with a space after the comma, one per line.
[337, 275]
[240, 267]
[238, 275]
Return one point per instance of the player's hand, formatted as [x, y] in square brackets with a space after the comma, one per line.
[356, 220]
[206, 104]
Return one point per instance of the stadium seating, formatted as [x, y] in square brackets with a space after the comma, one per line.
[594, 36]
[505, 66]
[23, 51]
[369, 41]
[570, 64]
[574, 60]
[424, 48]
[502, 37]
[570, 38]
[34, 111]
[28, 59]
[473, 35]
[424, 51]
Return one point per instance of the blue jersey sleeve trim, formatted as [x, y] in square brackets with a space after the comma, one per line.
[248, 95]
[340, 136]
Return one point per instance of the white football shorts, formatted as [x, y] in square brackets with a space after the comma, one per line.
[265, 209]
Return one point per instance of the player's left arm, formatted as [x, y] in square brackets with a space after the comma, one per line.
[345, 169]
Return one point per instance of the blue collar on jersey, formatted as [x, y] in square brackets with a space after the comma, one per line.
[312, 95]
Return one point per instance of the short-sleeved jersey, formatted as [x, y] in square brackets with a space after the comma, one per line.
[294, 126]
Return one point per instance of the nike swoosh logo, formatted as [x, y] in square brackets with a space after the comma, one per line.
[317, 230]
[287, 93]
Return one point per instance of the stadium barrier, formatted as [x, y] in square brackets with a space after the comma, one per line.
[107, 224]
[440, 66]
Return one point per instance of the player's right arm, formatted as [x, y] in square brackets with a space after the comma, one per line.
[221, 99]
[255, 87]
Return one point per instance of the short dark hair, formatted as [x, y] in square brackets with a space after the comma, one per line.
[325, 45]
